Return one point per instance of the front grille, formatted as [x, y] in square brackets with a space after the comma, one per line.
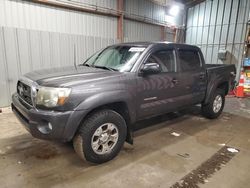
[24, 92]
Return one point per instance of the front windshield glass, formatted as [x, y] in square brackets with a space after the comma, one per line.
[119, 58]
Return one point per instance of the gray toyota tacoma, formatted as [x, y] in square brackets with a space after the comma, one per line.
[96, 104]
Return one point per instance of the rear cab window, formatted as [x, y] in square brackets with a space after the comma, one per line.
[189, 60]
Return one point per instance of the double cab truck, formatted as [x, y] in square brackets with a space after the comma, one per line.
[97, 103]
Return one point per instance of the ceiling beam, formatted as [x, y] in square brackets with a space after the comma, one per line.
[76, 7]
[192, 3]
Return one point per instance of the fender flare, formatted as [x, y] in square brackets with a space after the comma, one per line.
[101, 99]
[212, 87]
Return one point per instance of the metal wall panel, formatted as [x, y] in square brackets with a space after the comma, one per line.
[219, 24]
[145, 8]
[112, 4]
[134, 31]
[4, 97]
[24, 49]
[170, 35]
[11, 52]
[28, 15]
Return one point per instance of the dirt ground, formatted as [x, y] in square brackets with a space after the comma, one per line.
[175, 150]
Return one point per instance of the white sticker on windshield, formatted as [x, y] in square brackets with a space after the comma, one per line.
[136, 49]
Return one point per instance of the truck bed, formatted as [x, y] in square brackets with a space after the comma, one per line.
[216, 66]
[220, 69]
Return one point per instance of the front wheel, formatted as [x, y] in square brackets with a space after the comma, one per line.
[101, 136]
[215, 105]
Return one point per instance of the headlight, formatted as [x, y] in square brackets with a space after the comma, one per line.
[51, 97]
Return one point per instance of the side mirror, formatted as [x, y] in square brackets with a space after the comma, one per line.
[151, 68]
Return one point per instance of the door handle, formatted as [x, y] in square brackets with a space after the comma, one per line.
[175, 81]
[202, 76]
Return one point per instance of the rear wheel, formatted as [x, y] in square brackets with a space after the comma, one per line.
[101, 136]
[215, 105]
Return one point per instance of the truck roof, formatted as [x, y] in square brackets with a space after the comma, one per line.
[147, 43]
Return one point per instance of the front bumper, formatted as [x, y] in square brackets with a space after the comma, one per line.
[63, 124]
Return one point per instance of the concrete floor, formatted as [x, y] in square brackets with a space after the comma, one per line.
[157, 158]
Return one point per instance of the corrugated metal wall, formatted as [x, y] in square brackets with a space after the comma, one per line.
[219, 24]
[170, 35]
[136, 31]
[111, 4]
[33, 16]
[145, 9]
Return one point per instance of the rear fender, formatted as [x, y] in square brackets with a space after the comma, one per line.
[212, 86]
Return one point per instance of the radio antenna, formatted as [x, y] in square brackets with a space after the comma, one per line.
[75, 55]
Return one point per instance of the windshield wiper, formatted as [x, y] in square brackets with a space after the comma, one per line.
[87, 65]
[103, 67]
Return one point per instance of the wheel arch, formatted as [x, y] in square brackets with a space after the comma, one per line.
[223, 85]
[121, 108]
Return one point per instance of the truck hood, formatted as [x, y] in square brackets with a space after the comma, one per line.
[69, 76]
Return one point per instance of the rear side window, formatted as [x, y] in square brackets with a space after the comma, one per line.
[165, 58]
[189, 60]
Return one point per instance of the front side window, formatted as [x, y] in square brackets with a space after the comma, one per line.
[119, 58]
[165, 58]
[189, 60]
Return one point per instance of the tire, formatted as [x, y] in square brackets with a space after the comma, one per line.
[101, 136]
[212, 111]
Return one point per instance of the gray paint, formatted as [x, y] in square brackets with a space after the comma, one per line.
[91, 88]
[219, 24]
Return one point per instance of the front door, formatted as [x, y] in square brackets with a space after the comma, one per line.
[157, 93]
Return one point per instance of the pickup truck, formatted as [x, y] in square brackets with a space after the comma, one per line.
[97, 103]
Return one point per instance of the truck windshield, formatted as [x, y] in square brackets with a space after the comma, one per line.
[118, 58]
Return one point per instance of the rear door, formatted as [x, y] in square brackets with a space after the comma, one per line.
[193, 75]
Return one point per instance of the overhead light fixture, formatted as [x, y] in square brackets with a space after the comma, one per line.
[174, 10]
